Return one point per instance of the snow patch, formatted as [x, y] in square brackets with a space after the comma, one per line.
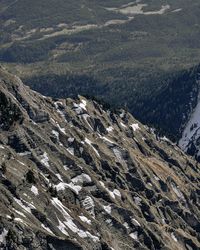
[192, 128]
[126, 225]
[71, 150]
[80, 107]
[62, 227]
[20, 220]
[66, 168]
[113, 193]
[34, 190]
[90, 143]
[71, 185]
[45, 160]
[20, 213]
[70, 139]
[117, 192]
[156, 177]
[54, 132]
[122, 114]
[134, 235]
[164, 138]
[3, 235]
[107, 140]
[83, 178]
[110, 129]
[123, 125]
[26, 208]
[46, 179]
[21, 163]
[59, 177]
[70, 223]
[85, 219]
[174, 237]
[135, 126]
[109, 221]
[135, 222]
[83, 104]
[88, 204]
[61, 129]
[47, 229]
[107, 209]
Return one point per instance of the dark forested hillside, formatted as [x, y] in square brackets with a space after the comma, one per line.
[169, 107]
[163, 101]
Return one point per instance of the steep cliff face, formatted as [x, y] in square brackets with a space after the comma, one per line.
[189, 142]
[74, 175]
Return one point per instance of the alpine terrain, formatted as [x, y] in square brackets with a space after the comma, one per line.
[136, 54]
[76, 175]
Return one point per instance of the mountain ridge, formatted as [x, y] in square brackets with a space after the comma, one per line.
[76, 176]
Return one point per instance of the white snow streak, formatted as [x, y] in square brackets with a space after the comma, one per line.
[3, 235]
[192, 129]
[45, 160]
[135, 126]
[34, 190]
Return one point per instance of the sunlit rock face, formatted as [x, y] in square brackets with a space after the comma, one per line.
[74, 175]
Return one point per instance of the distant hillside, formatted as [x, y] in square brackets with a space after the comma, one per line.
[163, 102]
[137, 55]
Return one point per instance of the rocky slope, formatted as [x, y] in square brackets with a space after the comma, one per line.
[74, 175]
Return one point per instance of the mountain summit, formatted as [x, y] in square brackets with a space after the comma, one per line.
[75, 175]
